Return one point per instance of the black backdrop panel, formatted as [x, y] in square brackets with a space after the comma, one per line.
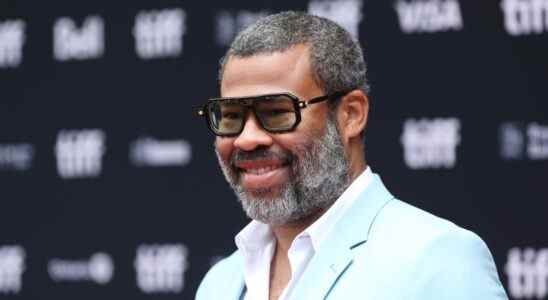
[110, 186]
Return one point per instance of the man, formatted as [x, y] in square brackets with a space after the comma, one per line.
[290, 140]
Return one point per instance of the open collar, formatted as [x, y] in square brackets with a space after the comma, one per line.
[336, 252]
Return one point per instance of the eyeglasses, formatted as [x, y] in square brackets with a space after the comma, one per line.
[276, 113]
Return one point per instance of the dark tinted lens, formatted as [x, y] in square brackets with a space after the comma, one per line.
[276, 113]
[226, 117]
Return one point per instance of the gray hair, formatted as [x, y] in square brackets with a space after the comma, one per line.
[337, 60]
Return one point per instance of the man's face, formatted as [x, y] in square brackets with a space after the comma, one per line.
[285, 177]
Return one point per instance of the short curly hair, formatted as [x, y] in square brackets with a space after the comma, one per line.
[337, 59]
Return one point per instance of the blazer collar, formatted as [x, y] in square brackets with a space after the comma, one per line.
[234, 287]
[336, 252]
[356, 224]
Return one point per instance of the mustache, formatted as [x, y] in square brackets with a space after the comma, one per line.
[261, 153]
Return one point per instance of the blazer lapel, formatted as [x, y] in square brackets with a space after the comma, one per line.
[233, 287]
[237, 290]
[323, 270]
[336, 252]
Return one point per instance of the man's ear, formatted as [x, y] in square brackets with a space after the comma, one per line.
[352, 115]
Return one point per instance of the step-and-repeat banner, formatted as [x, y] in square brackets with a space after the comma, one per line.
[109, 186]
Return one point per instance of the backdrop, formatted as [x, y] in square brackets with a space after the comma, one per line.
[110, 188]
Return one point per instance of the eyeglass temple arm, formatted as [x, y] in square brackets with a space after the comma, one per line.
[303, 104]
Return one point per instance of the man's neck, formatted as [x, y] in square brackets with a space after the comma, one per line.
[286, 233]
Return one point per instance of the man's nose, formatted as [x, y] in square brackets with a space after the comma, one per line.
[253, 135]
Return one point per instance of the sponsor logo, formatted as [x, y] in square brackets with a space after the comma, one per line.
[12, 266]
[347, 13]
[512, 141]
[12, 38]
[431, 143]
[527, 271]
[71, 42]
[16, 157]
[150, 152]
[159, 33]
[161, 268]
[228, 24]
[429, 16]
[519, 141]
[525, 17]
[99, 268]
[79, 153]
[537, 148]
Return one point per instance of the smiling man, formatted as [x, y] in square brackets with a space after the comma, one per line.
[290, 127]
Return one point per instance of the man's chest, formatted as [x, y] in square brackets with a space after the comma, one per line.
[280, 276]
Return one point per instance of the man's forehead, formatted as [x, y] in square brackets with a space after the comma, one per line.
[276, 71]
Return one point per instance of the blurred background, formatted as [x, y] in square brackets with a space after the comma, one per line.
[109, 186]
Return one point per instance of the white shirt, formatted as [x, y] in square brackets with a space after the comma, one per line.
[257, 244]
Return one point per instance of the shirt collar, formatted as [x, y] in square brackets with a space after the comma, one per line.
[257, 235]
[322, 227]
[254, 236]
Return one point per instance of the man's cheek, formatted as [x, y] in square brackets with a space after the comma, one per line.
[223, 147]
[227, 159]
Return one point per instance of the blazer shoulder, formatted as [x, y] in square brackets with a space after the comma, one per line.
[453, 261]
[401, 223]
[226, 275]
[461, 267]
[403, 219]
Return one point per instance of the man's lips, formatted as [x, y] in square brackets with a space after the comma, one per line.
[261, 174]
[247, 165]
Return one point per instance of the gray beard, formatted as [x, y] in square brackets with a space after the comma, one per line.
[318, 179]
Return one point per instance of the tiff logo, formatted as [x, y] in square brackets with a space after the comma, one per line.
[12, 266]
[519, 141]
[161, 268]
[160, 153]
[159, 33]
[79, 153]
[12, 38]
[228, 24]
[527, 272]
[99, 269]
[73, 43]
[431, 144]
[347, 13]
[428, 16]
[525, 17]
[16, 157]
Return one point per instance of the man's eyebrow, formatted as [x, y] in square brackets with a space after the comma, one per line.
[242, 101]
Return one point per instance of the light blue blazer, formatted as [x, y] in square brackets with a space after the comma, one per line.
[382, 249]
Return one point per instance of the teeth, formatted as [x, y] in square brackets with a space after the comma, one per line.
[260, 171]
